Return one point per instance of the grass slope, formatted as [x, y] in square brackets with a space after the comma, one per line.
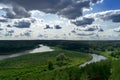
[35, 66]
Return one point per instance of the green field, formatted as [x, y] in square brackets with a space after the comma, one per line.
[33, 66]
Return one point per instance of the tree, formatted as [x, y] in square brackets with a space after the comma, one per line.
[50, 65]
[62, 59]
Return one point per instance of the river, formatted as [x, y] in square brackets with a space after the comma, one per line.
[96, 58]
[41, 48]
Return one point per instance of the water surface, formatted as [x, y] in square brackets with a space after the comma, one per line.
[96, 58]
[41, 48]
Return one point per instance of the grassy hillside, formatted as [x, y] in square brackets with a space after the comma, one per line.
[40, 66]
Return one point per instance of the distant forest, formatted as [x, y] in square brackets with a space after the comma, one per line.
[10, 47]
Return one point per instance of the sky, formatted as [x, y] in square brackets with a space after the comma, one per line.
[107, 5]
[59, 20]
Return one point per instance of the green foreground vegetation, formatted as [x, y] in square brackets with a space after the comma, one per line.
[63, 63]
[40, 66]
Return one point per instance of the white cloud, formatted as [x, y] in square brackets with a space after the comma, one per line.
[39, 21]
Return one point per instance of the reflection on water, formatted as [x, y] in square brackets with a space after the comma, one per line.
[42, 48]
[96, 58]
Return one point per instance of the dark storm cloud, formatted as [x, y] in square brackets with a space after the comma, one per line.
[75, 10]
[67, 8]
[83, 22]
[16, 12]
[22, 24]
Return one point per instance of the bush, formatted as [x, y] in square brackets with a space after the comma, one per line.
[50, 65]
[62, 59]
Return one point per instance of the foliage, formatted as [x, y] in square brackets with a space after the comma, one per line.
[50, 65]
[40, 66]
[115, 70]
[62, 59]
[116, 54]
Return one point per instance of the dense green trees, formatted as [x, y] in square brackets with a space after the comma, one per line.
[9, 47]
[115, 70]
[116, 53]
[62, 59]
[50, 65]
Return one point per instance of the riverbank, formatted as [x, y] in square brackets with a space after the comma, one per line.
[40, 49]
[95, 58]
[33, 66]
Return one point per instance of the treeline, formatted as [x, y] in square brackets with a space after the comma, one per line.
[82, 46]
[90, 46]
[10, 47]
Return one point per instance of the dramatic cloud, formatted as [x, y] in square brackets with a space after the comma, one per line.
[16, 12]
[83, 21]
[113, 15]
[89, 19]
[57, 19]
[22, 24]
[67, 8]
